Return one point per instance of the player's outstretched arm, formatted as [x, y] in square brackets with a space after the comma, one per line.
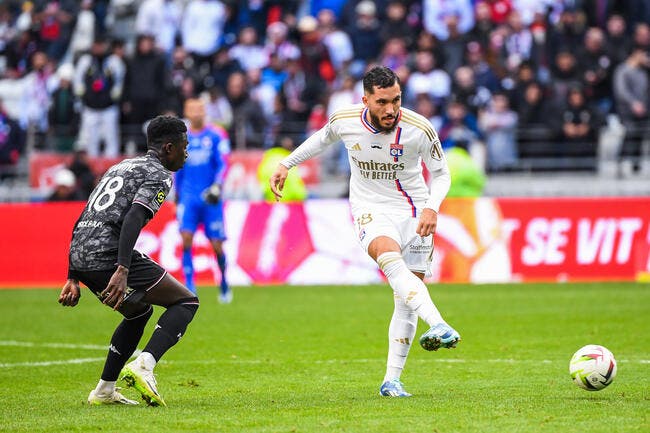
[70, 293]
[277, 180]
[428, 222]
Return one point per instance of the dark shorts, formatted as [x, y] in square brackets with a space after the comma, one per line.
[144, 274]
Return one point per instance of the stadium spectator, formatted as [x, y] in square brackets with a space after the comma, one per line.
[247, 52]
[102, 257]
[518, 44]
[54, 20]
[199, 193]
[453, 48]
[427, 77]
[437, 13]
[396, 26]
[12, 143]
[499, 123]
[565, 71]
[80, 167]
[396, 233]
[618, 43]
[63, 117]
[223, 66]
[460, 125]
[500, 10]
[484, 75]
[364, 34]
[65, 187]
[395, 55]
[277, 42]
[483, 26]
[162, 20]
[275, 73]
[217, 108]
[145, 78]
[632, 95]
[202, 29]
[181, 74]
[596, 67]
[249, 123]
[98, 82]
[83, 32]
[314, 59]
[36, 99]
[577, 125]
[532, 108]
[338, 43]
[465, 89]
[300, 92]
[567, 34]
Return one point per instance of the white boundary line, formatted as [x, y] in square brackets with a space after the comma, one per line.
[52, 345]
[49, 363]
[235, 360]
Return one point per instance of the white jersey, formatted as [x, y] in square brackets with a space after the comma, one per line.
[386, 168]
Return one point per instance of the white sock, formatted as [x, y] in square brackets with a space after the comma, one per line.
[105, 388]
[147, 360]
[400, 337]
[408, 287]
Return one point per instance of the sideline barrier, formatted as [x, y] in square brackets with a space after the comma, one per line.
[478, 240]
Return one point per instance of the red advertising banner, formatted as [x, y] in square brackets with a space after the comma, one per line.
[478, 240]
[578, 239]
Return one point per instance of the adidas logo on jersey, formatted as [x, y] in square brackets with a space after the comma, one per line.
[357, 146]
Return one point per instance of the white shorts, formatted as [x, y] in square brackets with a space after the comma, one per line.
[417, 251]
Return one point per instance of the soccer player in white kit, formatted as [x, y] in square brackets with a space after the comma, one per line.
[395, 213]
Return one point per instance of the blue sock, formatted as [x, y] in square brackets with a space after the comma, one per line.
[221, 261]
[188, 270]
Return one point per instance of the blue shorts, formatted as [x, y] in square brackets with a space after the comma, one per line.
[192, 212]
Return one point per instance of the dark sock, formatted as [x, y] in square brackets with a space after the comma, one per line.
[171, 327]
[221, 261]
[123, 343]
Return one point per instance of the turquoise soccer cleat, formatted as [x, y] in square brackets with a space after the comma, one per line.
[440, 335]
[393, 388]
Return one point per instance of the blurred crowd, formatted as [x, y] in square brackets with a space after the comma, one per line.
[503, 79]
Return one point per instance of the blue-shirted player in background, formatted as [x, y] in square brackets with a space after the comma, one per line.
[198, 191]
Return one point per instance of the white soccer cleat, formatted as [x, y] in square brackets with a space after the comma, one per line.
[116, 397]
[136, 375]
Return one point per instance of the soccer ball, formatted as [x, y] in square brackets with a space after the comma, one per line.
[592, 367]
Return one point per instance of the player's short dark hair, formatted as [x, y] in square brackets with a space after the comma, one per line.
[379, 76]
[164, 129]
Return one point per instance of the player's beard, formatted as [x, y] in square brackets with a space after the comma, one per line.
[374, 119]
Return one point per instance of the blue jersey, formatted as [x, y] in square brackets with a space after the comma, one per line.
[206, 163]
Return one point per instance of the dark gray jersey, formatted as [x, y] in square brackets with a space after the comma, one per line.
[96, 234]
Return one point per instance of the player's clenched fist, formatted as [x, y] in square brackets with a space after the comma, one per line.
[70, 294]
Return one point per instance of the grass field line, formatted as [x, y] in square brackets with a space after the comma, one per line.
[53, 345]
[49, 363]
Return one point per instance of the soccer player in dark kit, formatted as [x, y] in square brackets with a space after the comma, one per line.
[102, 258]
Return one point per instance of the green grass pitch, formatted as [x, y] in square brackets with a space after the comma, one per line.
[311, 359]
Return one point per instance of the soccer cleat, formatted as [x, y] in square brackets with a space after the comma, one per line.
[393, 388]
[225, 298]
[115, 398]
[136, 375]
[440, 335]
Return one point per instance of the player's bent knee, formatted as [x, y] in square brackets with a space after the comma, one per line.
[190, 305]
[136, 311]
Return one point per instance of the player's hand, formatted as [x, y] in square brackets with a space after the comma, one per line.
[113, 294]
[428, 222]
[212, 195]
[277, 181]
[70, 294]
